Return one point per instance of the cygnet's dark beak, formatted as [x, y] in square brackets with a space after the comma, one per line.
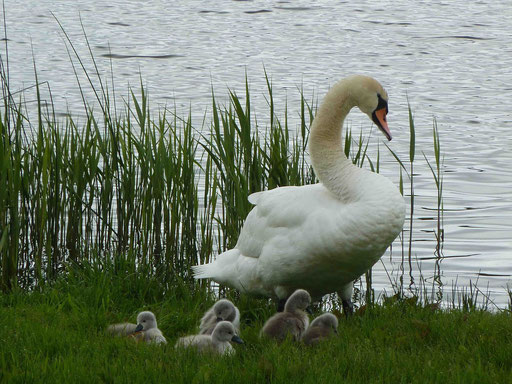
[309, 310]
[237, 339]
[139, 328]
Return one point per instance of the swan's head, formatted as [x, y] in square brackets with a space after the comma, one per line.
[372, 99]
[224, 310]
[145, 320]
[225, 331]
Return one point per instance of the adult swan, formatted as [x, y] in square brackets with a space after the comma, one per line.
[323, 236]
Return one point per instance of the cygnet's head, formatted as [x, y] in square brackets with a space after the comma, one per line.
[145, 320]
[300, 299]
[225, 331]
[224, 310]
[326, 320]
[371, 98]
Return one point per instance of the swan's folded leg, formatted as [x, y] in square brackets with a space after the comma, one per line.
[282, 294]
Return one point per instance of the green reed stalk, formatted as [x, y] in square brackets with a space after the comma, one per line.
[10, 170]
[438, 179]
[410, 174]
[412, 147]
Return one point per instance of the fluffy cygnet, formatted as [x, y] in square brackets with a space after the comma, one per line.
[222, 310]
[323, 327]
[122, 329]
[145, 330]
[217, 342]
[292, 321]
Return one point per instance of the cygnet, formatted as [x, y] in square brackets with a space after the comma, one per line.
[292, 321]
[217, 342]
[222, 310]
[145, 330]
[323, 327]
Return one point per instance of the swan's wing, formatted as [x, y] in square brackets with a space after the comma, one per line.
[289, 206]
[279, 222]
[284, 215]
[300, 235]
[254, 197]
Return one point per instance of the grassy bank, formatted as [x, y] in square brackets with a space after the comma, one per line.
[58, 336]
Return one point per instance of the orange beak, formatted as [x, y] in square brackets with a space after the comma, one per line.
[379, 118]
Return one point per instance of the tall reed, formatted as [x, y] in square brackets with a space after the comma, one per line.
[141, 191]
[438, 179]
[145, 190]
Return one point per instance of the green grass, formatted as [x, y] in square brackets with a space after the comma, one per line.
[58, 335]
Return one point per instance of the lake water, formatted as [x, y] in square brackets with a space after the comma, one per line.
[451, 59]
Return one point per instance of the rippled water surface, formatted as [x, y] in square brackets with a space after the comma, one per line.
[451, 60]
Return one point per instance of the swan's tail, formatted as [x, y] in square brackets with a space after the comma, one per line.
[202, 271]
[221, 269]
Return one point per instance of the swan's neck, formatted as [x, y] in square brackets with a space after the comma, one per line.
[331, 165]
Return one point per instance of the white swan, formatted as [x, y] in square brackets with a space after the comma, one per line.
[222, 310]
[318, 237]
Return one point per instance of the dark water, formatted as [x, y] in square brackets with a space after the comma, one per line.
[451, 60]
